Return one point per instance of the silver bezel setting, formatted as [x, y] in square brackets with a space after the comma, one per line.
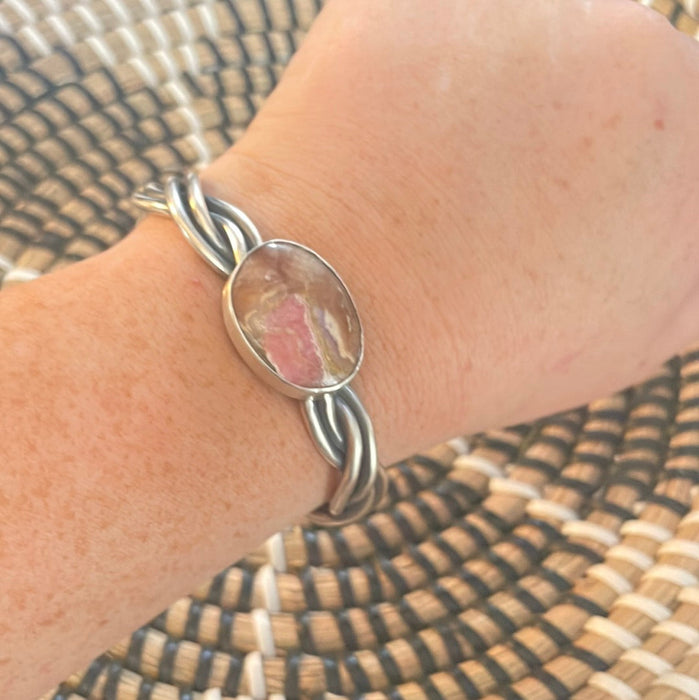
[335, 417]
[250, 355]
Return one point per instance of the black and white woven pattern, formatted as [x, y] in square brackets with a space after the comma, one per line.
[102, 96]
[544, 561]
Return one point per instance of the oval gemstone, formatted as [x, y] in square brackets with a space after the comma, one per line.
[296, 315]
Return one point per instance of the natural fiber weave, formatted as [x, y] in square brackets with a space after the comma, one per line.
[552, 560]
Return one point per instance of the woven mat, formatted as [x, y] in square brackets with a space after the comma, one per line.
[552, 560]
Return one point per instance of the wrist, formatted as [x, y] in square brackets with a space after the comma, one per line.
[293, 322]
[255, 436]
[283, 205]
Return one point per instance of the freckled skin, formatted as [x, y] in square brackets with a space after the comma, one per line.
[612, 122]
[508, 254]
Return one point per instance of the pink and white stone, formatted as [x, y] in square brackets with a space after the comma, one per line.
[296, 315]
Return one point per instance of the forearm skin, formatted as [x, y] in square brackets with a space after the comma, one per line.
[140, 456]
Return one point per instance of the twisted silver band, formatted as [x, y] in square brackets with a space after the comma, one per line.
[338, 422]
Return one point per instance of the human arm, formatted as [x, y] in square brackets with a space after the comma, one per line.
[141, 457]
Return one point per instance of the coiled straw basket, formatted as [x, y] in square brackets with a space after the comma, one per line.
[552, 560]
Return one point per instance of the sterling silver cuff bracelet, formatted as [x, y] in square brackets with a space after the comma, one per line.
[293, 321]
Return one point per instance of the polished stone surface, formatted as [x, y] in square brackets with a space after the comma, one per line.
[297, 315]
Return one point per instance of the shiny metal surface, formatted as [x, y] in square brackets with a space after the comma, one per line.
[254, 355]
[337, 421]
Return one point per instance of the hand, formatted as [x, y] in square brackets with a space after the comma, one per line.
[510, 191]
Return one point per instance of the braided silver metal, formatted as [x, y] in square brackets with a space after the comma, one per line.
[338, 422]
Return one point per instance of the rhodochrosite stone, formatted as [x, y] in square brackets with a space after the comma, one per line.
[297, 315]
